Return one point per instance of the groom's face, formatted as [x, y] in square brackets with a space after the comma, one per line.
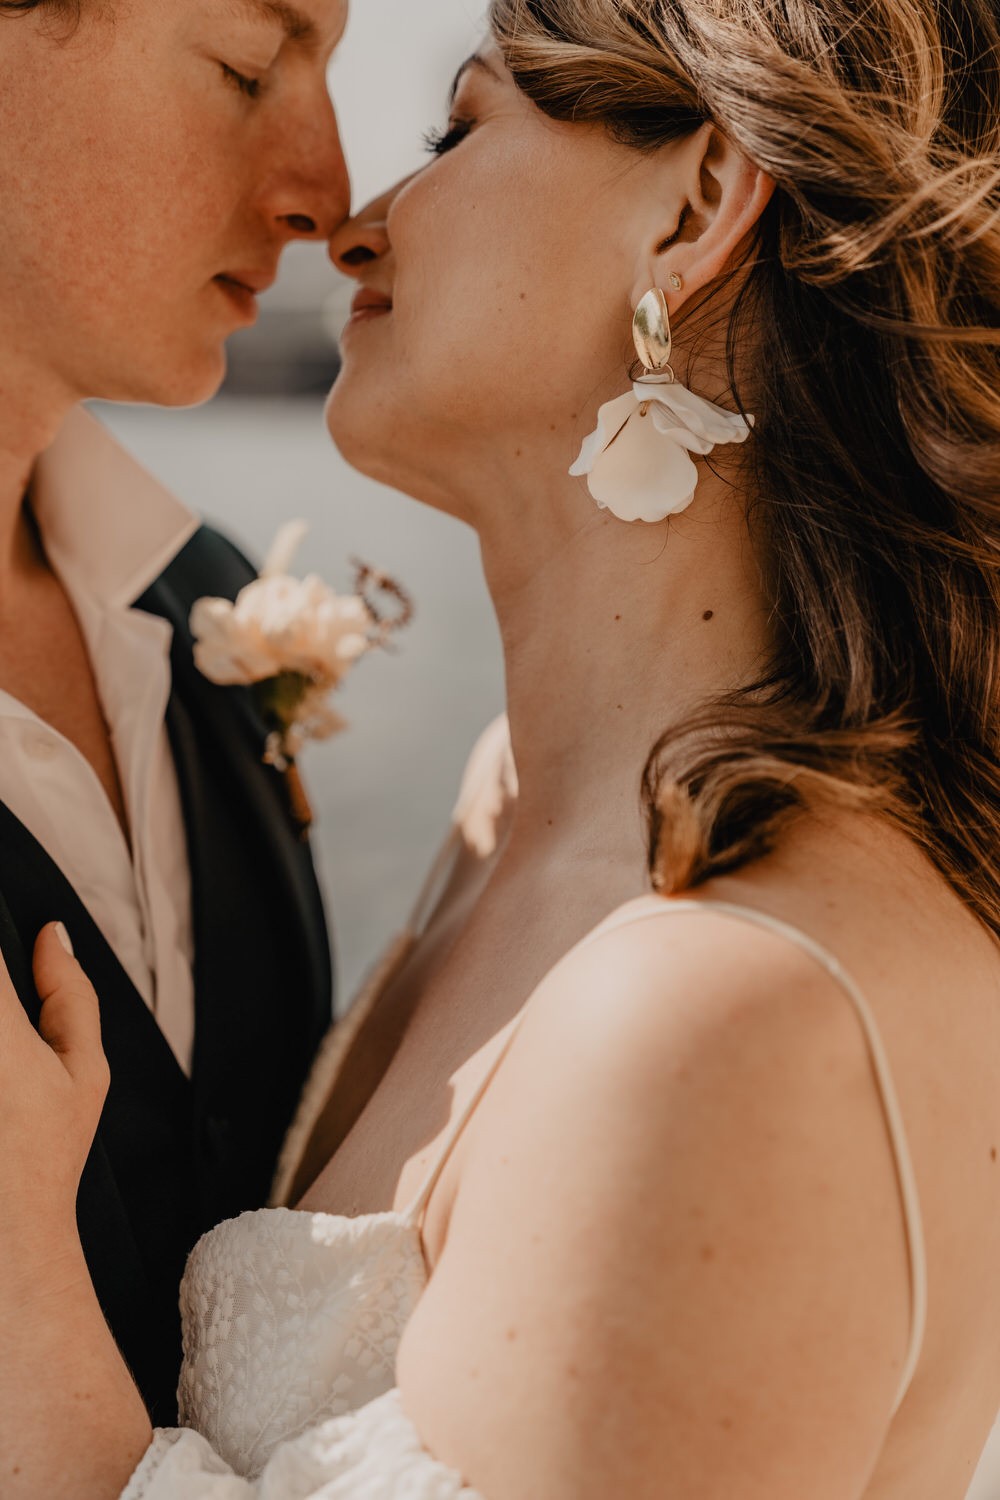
[157, 157]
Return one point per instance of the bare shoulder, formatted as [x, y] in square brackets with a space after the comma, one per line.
[679, 1218]
[680, 976]
[676, 1008]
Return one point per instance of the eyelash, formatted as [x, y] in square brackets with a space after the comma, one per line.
[251, 87]
[438, 142]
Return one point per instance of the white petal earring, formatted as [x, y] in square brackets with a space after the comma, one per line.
[637, 459]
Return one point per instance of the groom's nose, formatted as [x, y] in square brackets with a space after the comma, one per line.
[308, 194]
[364, 236]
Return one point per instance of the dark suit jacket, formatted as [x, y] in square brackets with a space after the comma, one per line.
[175, 1156]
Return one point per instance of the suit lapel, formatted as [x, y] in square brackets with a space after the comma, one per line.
[223, 726]
[262, 964]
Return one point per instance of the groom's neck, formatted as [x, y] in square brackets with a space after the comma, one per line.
[32, 409]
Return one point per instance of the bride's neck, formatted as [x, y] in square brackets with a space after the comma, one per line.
[611, 633]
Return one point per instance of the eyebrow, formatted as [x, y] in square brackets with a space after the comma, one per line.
[297, 26]
[475, 61]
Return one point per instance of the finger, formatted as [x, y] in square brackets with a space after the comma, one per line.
[70, 1020]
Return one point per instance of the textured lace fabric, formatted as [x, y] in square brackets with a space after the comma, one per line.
[290, 1319]
[372, 1454]
[292, 1323]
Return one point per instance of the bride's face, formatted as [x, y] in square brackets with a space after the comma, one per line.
[499, 283]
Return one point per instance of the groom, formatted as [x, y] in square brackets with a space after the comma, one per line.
[156, 158]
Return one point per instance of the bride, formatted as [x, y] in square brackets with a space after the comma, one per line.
[666, 1159]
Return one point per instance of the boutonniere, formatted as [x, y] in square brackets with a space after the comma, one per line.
[293, 641]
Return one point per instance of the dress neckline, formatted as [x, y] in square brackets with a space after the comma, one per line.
[402, 1221]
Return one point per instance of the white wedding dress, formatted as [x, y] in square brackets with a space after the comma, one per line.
[292, 1323]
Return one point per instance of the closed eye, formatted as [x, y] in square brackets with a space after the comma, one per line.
[251, 87]
[438, 142]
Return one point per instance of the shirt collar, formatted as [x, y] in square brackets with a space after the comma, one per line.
[104, 520]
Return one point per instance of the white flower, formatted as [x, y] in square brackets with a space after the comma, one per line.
[295, 636]
[637, 459]
[230, 649]
[280, 624]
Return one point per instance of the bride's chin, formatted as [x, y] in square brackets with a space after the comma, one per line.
[369, 445]
[402, 456]
[365, 450]
[347, 425]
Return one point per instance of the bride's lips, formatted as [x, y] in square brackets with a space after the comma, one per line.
[242, 289]
[368, 304]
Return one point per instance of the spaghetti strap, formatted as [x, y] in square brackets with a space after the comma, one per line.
[660, 907]
[414, 1214]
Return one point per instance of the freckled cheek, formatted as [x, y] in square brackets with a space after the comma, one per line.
[165, 173]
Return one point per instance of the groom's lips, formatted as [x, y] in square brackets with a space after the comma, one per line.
[243, 288]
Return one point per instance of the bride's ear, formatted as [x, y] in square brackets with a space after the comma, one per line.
[722, 195]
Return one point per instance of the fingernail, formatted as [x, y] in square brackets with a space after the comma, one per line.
[64, 938]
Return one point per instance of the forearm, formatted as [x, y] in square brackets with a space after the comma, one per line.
[72, 1424]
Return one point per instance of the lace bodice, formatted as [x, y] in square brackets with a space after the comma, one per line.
[292, 1324]
[289, 1319]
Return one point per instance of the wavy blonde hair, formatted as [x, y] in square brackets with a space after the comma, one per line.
[875, 473]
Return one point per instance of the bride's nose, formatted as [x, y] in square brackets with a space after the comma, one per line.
[364, 237]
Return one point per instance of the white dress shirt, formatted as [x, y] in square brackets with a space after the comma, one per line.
[109, 529]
